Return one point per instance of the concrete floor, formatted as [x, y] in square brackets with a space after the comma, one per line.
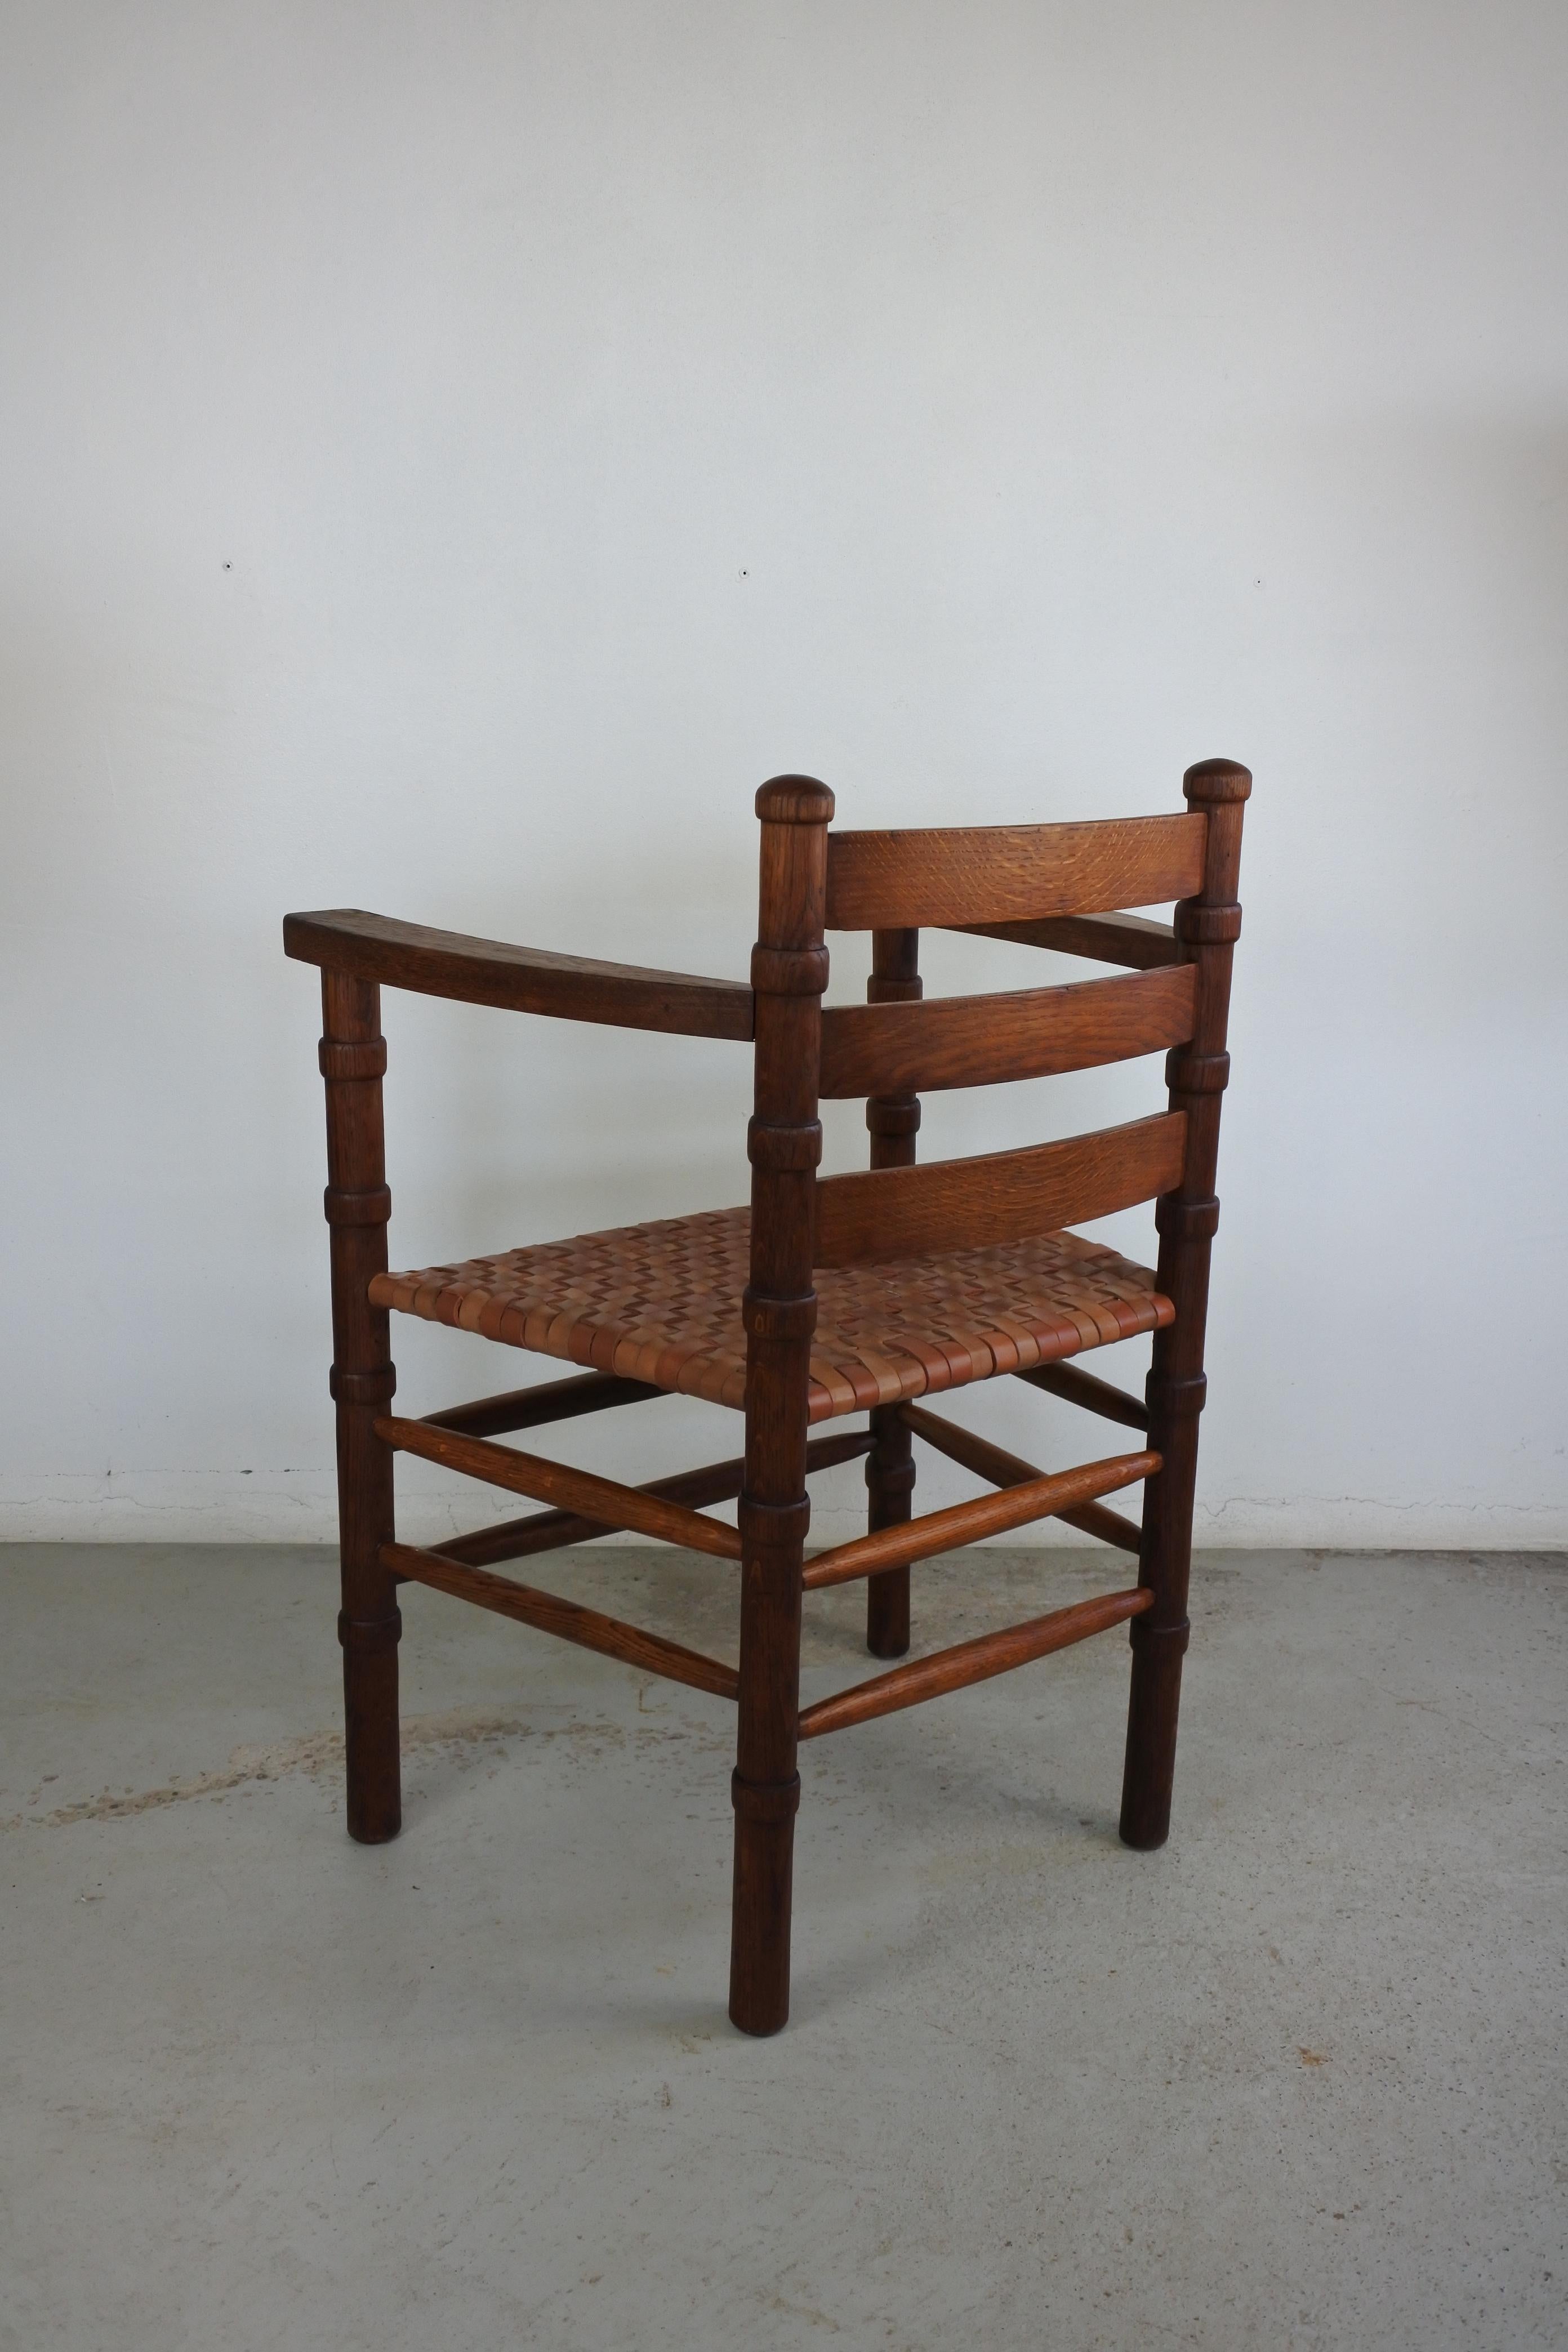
[1298, 2081]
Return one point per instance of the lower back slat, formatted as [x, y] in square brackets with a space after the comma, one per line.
[1000, 1196]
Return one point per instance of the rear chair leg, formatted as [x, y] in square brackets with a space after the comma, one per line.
[893, 1122]
[789, 970]
[890, 1484]
[353, 1056]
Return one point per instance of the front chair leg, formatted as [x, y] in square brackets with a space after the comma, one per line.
[765, 1785]
[352, 1057]
[369, 1626]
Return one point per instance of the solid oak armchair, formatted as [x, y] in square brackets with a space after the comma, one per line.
[829, 1297]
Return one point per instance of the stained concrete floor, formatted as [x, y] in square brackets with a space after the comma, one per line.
[1298, 2081]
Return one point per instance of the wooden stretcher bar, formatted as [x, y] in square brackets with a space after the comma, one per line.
[972, 1661]
[965, 1523]
[565, 1619]
[552, 1482]
[1003, 1469]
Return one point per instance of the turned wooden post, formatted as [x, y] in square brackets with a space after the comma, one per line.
[893, 1121]
[1207, 928]
[358, 1204]
[789, 971]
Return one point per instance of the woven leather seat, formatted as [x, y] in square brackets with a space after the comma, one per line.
[662, 1303]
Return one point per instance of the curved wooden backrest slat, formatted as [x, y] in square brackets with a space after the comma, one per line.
[1010, 873]
[998, 1196]
[982, 1041]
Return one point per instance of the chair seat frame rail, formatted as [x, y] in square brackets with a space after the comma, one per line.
[1067, 888]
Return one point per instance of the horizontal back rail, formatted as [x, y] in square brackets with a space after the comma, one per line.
[1010, 873]
[972, 1661]
[519, 980]
[567, 1620]
[1130, 940]
[998, 1196]
[982, 1041]
[553, 1482]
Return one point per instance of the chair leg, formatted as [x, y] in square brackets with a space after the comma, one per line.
[889, 1485]
[369, 1626]
[765, 1787]
[1160, 1637]
[778, 1310]
[1206, 927]
[357, 1203]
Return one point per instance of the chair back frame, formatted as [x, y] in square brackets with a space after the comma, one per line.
[1016, 881]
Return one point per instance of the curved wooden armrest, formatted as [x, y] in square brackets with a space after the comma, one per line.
[1107, 938]
[521, 980]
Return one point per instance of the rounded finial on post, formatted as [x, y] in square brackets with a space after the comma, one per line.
[795, 800]
[1216, 782]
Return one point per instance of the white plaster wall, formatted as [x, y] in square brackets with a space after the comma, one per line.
[453, 453]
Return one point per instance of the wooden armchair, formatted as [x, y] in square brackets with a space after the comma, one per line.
[831, 1295]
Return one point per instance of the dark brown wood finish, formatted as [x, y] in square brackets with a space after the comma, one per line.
[1000, 1196]
[1003, 1469]
[1081, 1387]
[358, 1205]
[554, 1482]
[719, 1482]
[789, 971]
[1009, 873]
[1057, 886]
[567, 1620]
[966, 1523]
[972, 1661]
[521, 980]
[1130, 940]
[985, 1041]
[536, 1408]
[892, 1118]
[1207, 927]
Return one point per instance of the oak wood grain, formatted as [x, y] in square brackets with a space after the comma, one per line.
[517, 979]
[999, 1196]
[1009, 873]
[982, 1041]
